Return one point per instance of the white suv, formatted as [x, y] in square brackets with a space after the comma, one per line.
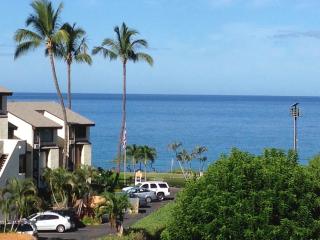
[161, 189]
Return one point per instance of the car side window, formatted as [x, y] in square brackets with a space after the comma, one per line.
[162, 185]
[41, 218]
[51, 217]
[152, 185]
[145, 186]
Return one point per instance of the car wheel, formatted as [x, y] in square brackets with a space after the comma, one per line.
[160, 196]
[60, 228]
[148, 199]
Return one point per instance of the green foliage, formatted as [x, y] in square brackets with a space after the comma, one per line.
[130, 236]
[155, 223]
[115, 206]
[243, 196]
[18, 199]
[88, 220]
[104, 180]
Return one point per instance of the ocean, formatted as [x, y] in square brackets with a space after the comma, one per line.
[250, 123]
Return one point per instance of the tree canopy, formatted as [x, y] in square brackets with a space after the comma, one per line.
[243, 196]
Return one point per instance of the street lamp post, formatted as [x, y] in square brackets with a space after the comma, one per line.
[295, 113]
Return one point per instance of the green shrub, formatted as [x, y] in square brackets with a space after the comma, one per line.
[87, 220]
[155, 223]
[243, 196]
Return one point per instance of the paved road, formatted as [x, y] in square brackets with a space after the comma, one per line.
[94, 232]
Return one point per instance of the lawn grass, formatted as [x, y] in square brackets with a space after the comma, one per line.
[155, 223]
[173, 179]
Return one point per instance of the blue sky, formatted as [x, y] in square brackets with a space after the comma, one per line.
[243, 47]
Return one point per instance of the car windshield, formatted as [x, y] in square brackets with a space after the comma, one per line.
[138, 185]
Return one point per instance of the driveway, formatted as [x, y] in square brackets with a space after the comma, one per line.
[94, 232]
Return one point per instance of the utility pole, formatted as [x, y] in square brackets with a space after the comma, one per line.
[295, 113]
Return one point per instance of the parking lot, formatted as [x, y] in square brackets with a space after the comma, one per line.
[93, 232]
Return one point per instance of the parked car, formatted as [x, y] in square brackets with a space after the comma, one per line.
[144, 193]
[161, 189]
[50, 221]
[70, 212]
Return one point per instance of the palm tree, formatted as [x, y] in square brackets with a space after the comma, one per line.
[45, 23]
[183, 158]
[147, 154]
[133, 152]
[127, 49]
[22, 195]
[174, 147]
[61, 184]
[197, 153]
[74, 49]
[115, 206]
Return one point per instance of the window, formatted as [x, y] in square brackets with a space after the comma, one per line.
[22, 163]
[46, 135]
[162, 185]
[1, 107]
[80, 132]
[145, 186]
[152, 185]
[51, 217]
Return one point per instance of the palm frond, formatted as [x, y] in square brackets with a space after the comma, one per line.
[56, 16]
[105, 52]
[138, 43]
[83, 58]
[24, 47]
[60, 37]
[26, 35]
[144, 57]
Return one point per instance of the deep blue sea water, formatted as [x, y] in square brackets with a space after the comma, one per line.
[250, 123]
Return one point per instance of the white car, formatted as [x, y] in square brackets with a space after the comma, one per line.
[161, 189]
[50, 221]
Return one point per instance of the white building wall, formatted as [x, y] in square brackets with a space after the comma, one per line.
[3, 127]
[86, 154]
[53, 158]
[14, 148]
[24, 131]
[57, 120]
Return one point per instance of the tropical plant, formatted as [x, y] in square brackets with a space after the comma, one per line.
[197, 153]
[174, 147]
[19, 198]
[243, 196]
[184, 158]
[61, 184]
[133, 153]
[46, 31]
[73, 49]
[115, 206]
[147, 155]
[127, 49]
[104, 180]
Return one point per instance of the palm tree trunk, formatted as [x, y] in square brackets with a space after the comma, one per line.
[145, 169]
[123, 114]
[69, 85]
[66, 129]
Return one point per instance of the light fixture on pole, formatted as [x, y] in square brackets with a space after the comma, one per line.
[295, 113]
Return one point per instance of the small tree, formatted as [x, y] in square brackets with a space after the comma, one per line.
[174, 147]
[197, 153]
[249, 197]
[115, 206]
[147, 155]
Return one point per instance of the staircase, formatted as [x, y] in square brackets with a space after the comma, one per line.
[3, 159]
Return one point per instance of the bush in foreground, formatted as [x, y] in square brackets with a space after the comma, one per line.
[243, 196]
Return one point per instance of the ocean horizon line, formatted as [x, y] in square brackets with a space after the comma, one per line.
[168, 94]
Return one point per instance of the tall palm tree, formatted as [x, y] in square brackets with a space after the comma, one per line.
[46, 31]
[127, 49]
[147, 154]
[174, 147]
[74, 49]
